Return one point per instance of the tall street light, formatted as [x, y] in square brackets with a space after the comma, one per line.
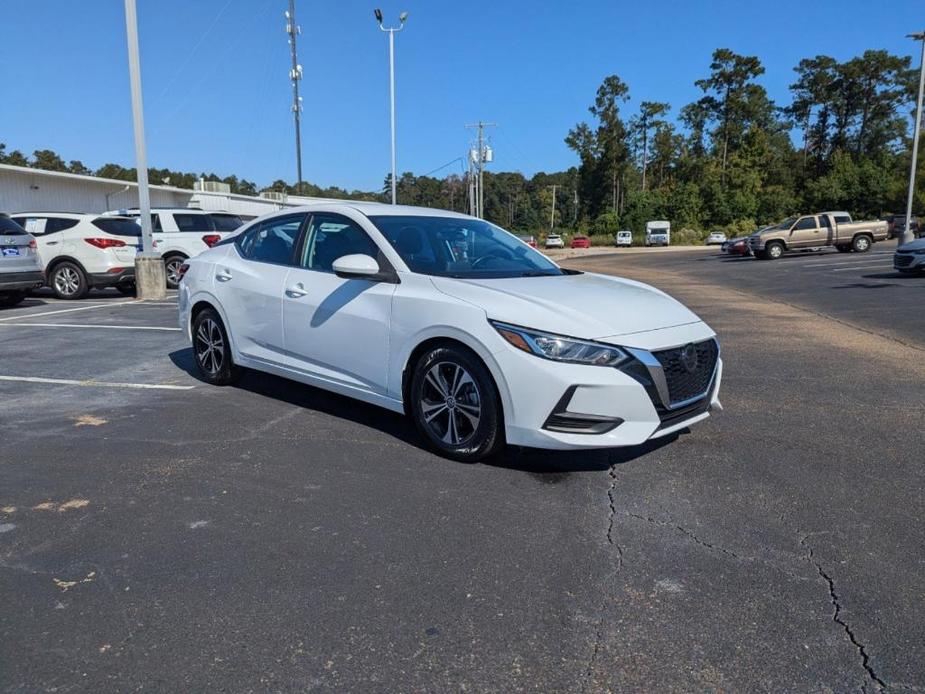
[907, 233]
[391, 31]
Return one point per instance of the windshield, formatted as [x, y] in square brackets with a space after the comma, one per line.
[461, 248]
[786, 224]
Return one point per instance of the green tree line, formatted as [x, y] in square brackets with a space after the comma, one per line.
[732, 159]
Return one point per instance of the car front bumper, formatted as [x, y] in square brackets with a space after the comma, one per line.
[908, 262]
[547, 399]
[12, 281]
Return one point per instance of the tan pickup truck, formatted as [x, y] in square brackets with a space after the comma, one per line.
[815, 231]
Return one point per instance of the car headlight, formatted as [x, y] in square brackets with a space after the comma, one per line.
[560, 348]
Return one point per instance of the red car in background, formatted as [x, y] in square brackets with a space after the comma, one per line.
[581, 242]
[529, 240]
[737, 246]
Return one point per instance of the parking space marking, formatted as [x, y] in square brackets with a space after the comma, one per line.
[87, 325]
[92, 384]
[864, 267]
[845, 262]
[69, 310]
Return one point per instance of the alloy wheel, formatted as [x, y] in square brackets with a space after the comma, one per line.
[67, 281]
[210, 346]
[450, 403]
[172, 268]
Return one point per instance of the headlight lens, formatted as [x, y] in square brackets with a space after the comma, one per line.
[559, 348]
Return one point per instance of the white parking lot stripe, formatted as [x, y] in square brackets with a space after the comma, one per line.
[864, 267]
[92, 384]
[68, 310]
[86, 325]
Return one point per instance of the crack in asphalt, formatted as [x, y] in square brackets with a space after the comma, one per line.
[599, 631]
[836, 616]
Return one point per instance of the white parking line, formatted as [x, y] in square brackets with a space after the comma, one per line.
[68, 310]
[844, 262]
[92, 384]
[87, 325]
[864, 267]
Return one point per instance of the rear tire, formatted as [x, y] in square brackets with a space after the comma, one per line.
[212, 350]
[861, 243]
[68, 281]
[455, 405]
[126, 289]
[11, 298]
[172, 265]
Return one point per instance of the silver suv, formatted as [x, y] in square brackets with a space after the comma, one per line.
[20, 268]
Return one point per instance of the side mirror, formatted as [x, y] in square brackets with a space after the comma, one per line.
[357, 266]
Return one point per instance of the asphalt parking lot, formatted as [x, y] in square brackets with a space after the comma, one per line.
[156, 532]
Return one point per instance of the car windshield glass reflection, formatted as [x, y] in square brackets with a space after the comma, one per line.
[461, 248]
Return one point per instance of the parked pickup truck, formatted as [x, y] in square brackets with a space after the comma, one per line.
[815, 231]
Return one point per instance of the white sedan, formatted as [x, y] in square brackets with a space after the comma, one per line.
[477, 337]
[716, 238]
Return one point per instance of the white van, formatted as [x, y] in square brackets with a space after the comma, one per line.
[658, 233]
[623, 238]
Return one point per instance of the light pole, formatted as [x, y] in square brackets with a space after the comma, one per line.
[907, 233]
[391, 31]
[150, 282]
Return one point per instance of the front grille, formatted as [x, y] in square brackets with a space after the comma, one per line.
[901, 260]
[669, 418]
[689, 369]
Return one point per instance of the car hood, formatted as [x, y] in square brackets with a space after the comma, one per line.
[917, 245]
[586, 305]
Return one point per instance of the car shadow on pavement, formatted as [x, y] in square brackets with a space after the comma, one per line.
[548, 466]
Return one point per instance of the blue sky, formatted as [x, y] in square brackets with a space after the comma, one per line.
[217, 95]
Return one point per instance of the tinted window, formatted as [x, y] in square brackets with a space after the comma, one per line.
[193, 222]
[55, 224]
[226, 222]
[271, 241]
[118, 226]
[332, 236]
[461, 247]
[842, 219]
[10, 228]
[805, 223]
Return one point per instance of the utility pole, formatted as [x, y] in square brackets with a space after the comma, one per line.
[391, 31]
[150, 280]
[552, 212]
[907, 234]
[295, 74]
[482, 156]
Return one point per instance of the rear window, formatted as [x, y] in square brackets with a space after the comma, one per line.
[193, 222]
[118, 226]
[10, 228]
[226, 222]
[842, 219]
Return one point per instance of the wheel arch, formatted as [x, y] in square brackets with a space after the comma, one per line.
[197, 305]
[57, 260]
[459, 341]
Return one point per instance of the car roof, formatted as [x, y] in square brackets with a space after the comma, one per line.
[63, 215]
[379, 209]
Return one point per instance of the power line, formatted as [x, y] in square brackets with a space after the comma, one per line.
[449, 163]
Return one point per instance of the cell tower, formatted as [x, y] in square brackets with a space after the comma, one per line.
[295, 75]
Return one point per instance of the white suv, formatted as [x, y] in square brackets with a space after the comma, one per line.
[83, 251]
[182, 233]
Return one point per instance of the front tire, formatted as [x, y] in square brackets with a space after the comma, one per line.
[455, 405]
[861, 243]
[212, 350]
[172, 265]
[68, 281]
[773, 250]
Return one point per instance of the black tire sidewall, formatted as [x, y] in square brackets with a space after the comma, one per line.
[229, 373]
[83, 288]
[769, 253]
[489, 436]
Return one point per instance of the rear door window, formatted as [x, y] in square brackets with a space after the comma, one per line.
[55, 224]
[271, 241]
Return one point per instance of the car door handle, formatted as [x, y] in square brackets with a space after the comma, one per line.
[223, 276]
[296, 291]
[52, 243]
